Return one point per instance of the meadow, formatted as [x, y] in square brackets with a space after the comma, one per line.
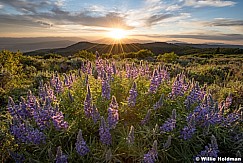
[134, 107]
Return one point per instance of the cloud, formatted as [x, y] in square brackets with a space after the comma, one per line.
[225, 22]
[60, 17]
[202, 36]
[46, 24]
[206, 3]
[26, 6]
[173, 7]
[154, 19]
[225, 37]
[49, 13]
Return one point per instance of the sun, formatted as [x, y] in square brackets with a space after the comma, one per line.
[117, 33]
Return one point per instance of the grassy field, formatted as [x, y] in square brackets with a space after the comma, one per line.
[121, 108]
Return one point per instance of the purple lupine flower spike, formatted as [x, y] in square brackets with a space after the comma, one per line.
[106, 89]
[159, 103]
[11, 107]
[130, 138]
[18, 158]
[189, 130]
[168, 142]
[80, 145]
[211, 150]
[104, 132]
[147, 117]
[195, 95]
[132, 95]
[88, 103]
[95, 114]
[25, 133]
[152, 154]
[60, 157]
[228, 101]
[169, 125]
[154, 82]
[58, 121]
[113, 115]
[179, 86]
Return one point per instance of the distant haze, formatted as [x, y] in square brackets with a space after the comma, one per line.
[40, 43]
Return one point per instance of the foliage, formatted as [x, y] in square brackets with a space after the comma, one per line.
[168, 57]
[130, 110]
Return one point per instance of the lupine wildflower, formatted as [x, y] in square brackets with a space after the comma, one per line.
[113, 115]
[211, 150]
[155, 129]
[104, 132]
[42, 116]
[169, 125]
[18, 111]
[18, 158]
[114, 68]
[130, 138]
[189, 130]
[58, 121]
[152, 154]
[88, 103]
[106, 89]
[167, 143]
[195, 95]
[31, 101]
[228, 101]
[89, 68]
[58, 85]
[147, 117]
[164, 74]
[23, 110]
[132, 95]
[80, 145]
[177, 87]
[95, 114]
[60, 157]
[67, 83]
[159, 103]
[42, 91]
[154, 82]
[25, 133]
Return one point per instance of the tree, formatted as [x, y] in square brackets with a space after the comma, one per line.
[168, 57]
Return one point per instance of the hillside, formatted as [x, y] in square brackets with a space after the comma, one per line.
[155, 47]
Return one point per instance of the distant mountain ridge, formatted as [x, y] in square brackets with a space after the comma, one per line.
[155, 47]
[71, 45]
[27, 44]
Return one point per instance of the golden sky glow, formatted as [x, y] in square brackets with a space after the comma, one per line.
[193, 21]
[117, 33]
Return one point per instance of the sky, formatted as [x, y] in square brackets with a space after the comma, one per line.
[192, 21]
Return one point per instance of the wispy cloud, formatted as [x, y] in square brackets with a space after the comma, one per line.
[157, 18]
[206, 3]
[175, 7]
[26, 6]
[179, 19]
[31, 13]
[225, 22]
[200, 36]
[228, 37]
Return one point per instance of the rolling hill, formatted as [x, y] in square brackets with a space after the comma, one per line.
[155, 47]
